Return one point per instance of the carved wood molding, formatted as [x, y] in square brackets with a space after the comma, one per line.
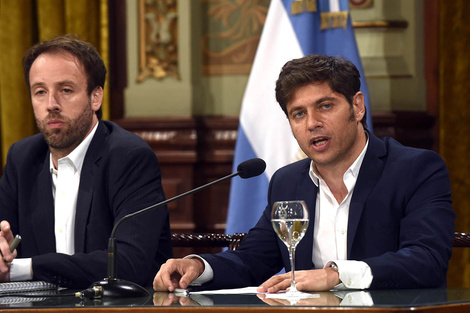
[217, 136]
[174, 140]
[382, 24]
[212, 139]
[410, 128]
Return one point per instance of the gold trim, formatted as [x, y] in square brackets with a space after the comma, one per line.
[334, 20]
[381, 24]
[300, 6]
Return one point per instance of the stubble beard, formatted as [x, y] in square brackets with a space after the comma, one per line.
[69, 136]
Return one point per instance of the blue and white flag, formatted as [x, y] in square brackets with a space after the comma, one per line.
[293, 29]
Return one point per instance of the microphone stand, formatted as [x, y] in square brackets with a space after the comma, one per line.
[113, 287]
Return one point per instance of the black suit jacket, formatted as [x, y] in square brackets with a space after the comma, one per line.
[120, 175]
[400, 223]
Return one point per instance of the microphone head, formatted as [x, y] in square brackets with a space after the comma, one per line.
[251, 168]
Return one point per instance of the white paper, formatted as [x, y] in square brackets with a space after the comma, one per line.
[252, 291]
[235, 291]
[287, 296]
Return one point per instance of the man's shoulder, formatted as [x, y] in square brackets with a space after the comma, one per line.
[294, 168]
[29, 151]
[32, 145]
[116, 136]
[397, 159]
[398, 151]
[116, 144]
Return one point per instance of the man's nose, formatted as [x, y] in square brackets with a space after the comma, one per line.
[314, 121]
[53, 104]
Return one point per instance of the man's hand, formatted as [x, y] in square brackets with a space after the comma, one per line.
[6, 237]
[310, 280]
[177, 273]
[171, 299]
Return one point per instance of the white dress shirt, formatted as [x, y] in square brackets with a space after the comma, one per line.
[65, 183]
[331, 229]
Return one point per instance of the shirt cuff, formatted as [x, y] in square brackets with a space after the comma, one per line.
[206, 276]
[353, 274]
[354, 298]
[21, 269]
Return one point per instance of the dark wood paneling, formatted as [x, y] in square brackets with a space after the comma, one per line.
[413, 129]
[216, 147]
[117, 73]
[431, 59]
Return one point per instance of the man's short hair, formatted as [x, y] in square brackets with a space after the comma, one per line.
[341, 75]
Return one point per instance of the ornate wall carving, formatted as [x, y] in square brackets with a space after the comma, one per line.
[158, 30]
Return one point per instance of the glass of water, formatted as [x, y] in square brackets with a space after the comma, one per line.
[290, 222]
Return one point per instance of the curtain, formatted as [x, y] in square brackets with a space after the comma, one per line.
[454, 119]
[26, 22]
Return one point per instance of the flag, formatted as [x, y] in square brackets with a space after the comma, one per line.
[293, 29]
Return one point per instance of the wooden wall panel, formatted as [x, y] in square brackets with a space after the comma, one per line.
[216, 146]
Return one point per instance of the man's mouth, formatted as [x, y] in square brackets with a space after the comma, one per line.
[319, 142]
[55, 123]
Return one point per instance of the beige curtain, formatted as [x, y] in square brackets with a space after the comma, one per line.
[454, 99]
[26, 22]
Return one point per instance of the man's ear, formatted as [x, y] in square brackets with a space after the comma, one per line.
[359, 106]
[96, 98]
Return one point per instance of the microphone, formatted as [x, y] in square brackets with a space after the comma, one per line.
[113, 287]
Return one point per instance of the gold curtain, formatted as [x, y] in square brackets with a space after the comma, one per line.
[26, 22]
[454, 102]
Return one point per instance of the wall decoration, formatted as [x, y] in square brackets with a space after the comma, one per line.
[158, 49]
[231, 32]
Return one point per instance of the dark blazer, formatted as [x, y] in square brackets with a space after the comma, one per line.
[120, 175]
[401, 222]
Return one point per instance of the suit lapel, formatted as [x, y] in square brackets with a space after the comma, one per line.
[43, 215]
[369, 174]
[85, 190]
[307, 191]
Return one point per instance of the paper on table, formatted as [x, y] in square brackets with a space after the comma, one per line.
[235, 291]
[287, 296]
[252, 290]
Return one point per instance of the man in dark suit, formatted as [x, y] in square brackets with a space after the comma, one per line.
[380, 213]
[64, 189]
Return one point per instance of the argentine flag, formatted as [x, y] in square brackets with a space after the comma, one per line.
[292, 30]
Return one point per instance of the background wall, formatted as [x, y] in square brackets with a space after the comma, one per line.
[390, 40]
[392, 55]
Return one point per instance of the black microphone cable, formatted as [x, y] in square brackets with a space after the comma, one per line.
[94, 292]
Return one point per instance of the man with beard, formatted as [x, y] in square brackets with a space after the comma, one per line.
[380, 213]
[64, 189]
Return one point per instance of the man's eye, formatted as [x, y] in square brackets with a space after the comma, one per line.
[326, 106]
[39, 92]
[66, 90]
[298, 114]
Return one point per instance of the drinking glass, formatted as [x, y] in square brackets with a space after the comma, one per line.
[290, 222]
